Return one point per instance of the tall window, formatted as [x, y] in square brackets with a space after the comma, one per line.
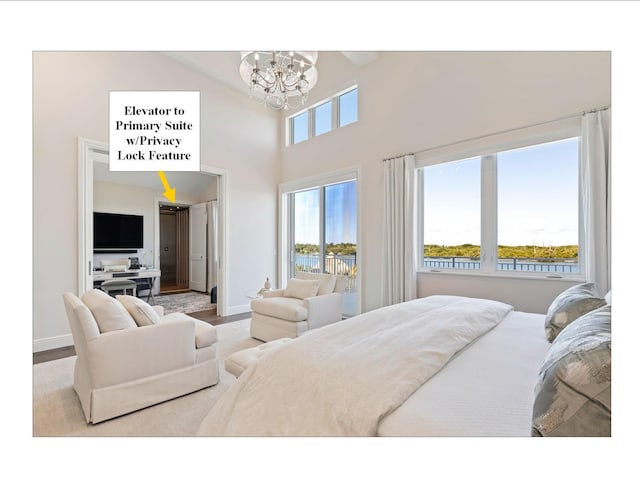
[323, 234]
[514, 210]
[538, 208]
[338, 111]
[452, 215]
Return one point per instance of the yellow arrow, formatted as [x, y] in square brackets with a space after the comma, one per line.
[169, 193]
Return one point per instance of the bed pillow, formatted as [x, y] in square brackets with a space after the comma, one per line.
[141, 312]
[108, 312]
[301, 289]
[573, 391]
[569, 306]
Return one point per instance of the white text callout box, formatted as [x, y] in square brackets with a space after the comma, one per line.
[154, 130]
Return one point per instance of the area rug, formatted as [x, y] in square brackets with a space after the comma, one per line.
[57, 411]
[186, 302]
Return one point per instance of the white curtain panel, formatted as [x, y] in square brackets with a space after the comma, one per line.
[596, 198]
[400, 243]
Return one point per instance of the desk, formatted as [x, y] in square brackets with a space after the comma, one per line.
[149, 274]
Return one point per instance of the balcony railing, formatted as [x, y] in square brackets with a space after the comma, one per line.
[336, 264]
[550, 265]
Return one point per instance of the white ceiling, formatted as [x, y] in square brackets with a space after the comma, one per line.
[220, 66]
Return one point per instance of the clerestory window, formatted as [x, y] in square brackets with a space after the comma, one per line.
[338, 111]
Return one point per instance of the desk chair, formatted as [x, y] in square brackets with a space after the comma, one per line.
[119, 284]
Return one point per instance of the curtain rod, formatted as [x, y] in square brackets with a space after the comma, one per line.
[577, 114]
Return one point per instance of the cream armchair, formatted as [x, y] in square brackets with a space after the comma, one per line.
[122, 367]
[309, 301]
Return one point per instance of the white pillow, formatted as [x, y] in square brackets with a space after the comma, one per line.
[327, 281]
[607, 297]
[142, 312]
[301, 289]
[109, 313]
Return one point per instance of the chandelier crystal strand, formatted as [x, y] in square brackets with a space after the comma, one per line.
[281, 80]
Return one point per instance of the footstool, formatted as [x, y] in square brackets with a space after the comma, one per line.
[239, 361]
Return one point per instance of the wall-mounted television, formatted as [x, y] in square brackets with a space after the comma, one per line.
[117, 232]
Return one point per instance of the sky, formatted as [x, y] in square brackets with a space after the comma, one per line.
[537, 198]
[340, 208]
[537, 201]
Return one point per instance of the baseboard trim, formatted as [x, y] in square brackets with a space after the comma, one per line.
[49, 343]
[234, 310]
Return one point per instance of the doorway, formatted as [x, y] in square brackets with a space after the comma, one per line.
[174, 249]
[93, 154]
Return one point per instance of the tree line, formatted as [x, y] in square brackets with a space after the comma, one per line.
[342, 248]
[527, 252]
[461, 250]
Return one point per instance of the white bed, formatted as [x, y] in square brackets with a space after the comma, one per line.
[438, 366]
[486, 390]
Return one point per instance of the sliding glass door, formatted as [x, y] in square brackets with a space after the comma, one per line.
[323, 235]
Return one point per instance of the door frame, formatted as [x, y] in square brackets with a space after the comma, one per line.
[90, 151]
[192, 219]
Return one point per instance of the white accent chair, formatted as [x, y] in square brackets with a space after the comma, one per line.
[311, 300]
[130, 356]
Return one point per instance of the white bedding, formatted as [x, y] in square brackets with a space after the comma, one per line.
[344, 378]
[486, 390]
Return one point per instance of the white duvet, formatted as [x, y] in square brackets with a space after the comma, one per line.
[343, 379]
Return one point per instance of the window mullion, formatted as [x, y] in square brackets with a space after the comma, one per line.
[322, 233]
[489, 214]
[420, 215]
[292, 235]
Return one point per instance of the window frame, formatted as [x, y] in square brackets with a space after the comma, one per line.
[285, 219]
[487, 149]
[311, 119]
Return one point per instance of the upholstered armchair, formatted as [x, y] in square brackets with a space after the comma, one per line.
[311, 300]
[130, 355]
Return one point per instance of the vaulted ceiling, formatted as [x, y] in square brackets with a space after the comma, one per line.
[223, 68]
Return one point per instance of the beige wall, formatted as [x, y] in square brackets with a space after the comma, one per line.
[210, 191]
[70, 100]
[411, 101]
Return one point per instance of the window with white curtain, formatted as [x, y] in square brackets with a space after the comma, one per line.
[319, 231]
[513, 208]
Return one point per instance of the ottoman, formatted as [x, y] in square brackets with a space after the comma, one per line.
[239, 361]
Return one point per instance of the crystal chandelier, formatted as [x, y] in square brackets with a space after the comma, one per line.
[281, 80]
